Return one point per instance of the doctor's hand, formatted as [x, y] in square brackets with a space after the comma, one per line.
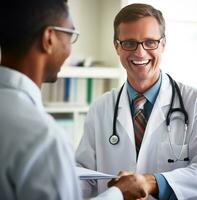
[135, 186]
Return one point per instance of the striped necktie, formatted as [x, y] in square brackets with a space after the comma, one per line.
[139, 120]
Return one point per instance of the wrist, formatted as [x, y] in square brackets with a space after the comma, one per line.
[152, 187]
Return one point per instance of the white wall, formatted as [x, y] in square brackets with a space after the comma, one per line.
[85, 14]
[108, 10]
[181, 34]
[94, 20]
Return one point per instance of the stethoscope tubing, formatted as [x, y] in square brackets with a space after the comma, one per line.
[114, 138]
[182, 107]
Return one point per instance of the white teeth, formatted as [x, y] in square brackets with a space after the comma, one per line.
[142, 62]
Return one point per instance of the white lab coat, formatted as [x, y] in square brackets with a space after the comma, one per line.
[95, 151]
[36, 156]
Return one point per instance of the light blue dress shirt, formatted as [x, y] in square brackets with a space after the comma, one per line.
[165, 191]
[150, 94]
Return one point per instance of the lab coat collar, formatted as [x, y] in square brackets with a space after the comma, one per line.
[162, 103]
[158, 112]
[11, 78]
[124, 114]
[165, 93]
[150, 94]
[163, 98]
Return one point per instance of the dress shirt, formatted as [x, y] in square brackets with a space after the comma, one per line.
[165, 191]
[150, 94]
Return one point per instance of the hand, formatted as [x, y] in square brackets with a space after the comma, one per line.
[135, 186]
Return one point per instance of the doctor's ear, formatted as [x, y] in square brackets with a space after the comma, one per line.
[116, 47]
[164, 42]
[115, 44]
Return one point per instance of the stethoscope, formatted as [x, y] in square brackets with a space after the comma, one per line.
[114, 138]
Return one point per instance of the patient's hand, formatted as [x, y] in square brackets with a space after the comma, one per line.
[134, 185]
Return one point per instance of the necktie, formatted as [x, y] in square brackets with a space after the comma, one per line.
[139, 120]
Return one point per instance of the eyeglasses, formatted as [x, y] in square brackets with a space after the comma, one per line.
[74, 34]
[132, 45]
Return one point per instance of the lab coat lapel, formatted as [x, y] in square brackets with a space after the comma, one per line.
[158, 114]
[157, 117]
[124, 114]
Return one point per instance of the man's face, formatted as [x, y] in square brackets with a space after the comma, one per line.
[142, 65]
[61, 51]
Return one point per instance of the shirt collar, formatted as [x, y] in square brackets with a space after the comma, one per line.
[150, 94]
[13, 79]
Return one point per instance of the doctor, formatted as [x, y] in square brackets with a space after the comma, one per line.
[141, 133]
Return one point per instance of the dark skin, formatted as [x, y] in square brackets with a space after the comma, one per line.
[36, 59]
[30, 64]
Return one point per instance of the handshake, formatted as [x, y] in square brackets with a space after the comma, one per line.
[135, 186]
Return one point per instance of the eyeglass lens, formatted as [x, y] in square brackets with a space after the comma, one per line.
[74, 37]
[133, 45]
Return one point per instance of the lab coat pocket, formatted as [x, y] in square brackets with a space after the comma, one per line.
[172, 156]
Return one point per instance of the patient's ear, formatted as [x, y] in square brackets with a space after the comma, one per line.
[48, 39]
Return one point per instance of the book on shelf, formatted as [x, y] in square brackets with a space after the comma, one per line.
[66, 88]
[89, 91]
[45, 91]
[73, 90]
[98, 88]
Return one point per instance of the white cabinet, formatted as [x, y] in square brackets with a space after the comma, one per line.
[94, 20]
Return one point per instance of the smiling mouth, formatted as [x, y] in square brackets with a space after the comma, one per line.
[141, 62]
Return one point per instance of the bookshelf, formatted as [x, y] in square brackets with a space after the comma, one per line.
[101, 72]
[94, 20]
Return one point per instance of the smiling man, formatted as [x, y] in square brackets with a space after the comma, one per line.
[140, 45]
[126, 128]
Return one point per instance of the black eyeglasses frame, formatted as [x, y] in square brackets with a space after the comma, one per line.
[139, 43]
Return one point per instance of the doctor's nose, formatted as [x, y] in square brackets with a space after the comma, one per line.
[140, 51]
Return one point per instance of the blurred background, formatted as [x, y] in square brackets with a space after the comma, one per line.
[94, 68]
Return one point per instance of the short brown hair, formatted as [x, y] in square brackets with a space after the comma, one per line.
[136, 11]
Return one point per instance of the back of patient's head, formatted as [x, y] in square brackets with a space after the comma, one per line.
[22, 22]
[135, 11]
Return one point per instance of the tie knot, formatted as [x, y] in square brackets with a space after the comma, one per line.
[139, 102]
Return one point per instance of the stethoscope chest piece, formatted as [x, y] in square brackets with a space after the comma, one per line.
[114, 139]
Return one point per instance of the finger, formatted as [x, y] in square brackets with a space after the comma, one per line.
[142, 193]
[112, 182]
